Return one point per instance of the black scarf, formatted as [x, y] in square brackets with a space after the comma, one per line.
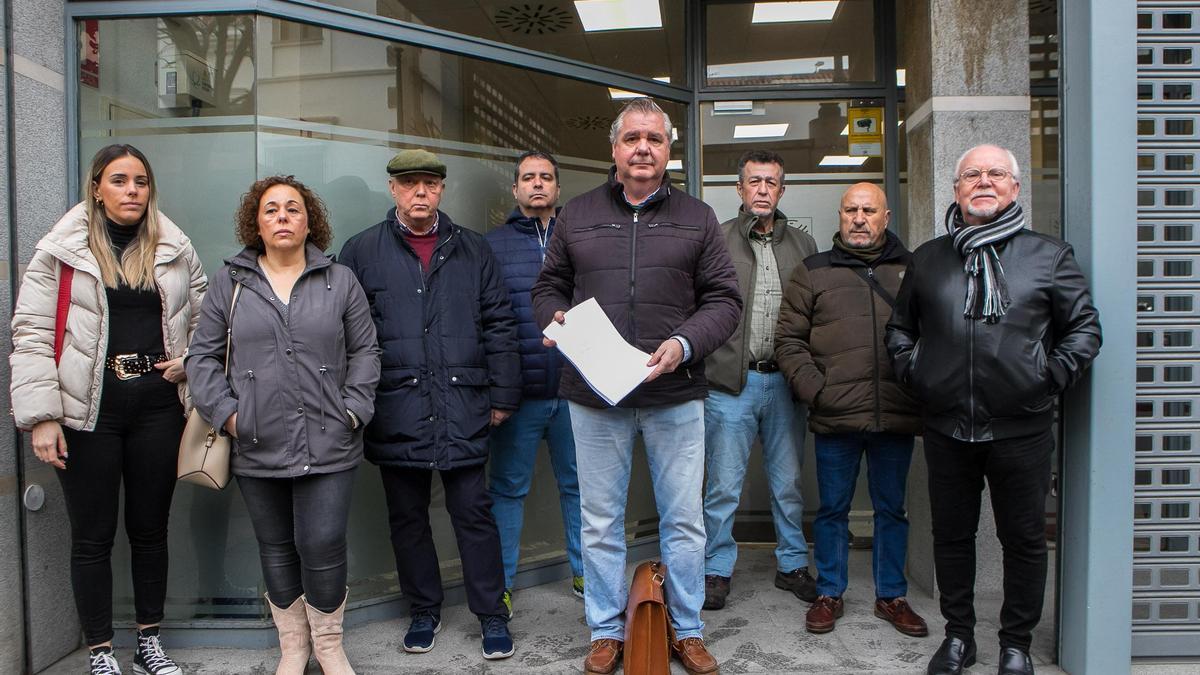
[987, 292]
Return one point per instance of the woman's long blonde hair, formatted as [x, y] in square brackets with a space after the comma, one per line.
[136, 266]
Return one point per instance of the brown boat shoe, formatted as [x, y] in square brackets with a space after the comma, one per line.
[823, 614]
[694, 656]
[901, 615]
[604, 657]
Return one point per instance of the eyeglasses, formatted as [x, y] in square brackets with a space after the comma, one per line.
[995, 174]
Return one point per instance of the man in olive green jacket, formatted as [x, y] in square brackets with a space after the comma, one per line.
[748, 396]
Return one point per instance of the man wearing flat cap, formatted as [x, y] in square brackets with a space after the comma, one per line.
[450, 372]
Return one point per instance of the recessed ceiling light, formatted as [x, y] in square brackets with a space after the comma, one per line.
[732, 107]
[841, 160]
[621, 94]
[793, 12]
[600, 15]
[760, 130]
[675, 165]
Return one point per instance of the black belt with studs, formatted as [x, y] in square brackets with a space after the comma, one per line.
[129, 366]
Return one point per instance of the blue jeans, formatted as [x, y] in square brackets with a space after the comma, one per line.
[764, 408]
[513, 454]
[838, 457]
[674, 438]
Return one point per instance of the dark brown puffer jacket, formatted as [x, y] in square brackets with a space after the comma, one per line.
[661, 271]
[830, 343]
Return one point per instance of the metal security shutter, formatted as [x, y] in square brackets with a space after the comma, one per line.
[1166, 542]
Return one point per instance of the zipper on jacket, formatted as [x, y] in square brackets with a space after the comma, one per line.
[633, 277]
[971, 376]
[323, 370]
[250, 408]
[874, 347]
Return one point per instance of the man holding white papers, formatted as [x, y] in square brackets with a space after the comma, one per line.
[750, 397]
[654, 259]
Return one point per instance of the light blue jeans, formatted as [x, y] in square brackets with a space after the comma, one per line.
[513, 453]
[765, 409]
[674, 438]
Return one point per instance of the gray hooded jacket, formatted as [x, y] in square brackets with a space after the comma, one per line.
[294, 377]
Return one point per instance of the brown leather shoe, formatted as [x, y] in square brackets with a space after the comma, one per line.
[695, 658]
[604, 657]
[901, 615]
[823, 614]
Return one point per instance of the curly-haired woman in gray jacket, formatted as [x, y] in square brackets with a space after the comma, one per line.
[302, 371]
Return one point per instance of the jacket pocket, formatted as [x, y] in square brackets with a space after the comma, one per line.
[400, 409]
[470, 411]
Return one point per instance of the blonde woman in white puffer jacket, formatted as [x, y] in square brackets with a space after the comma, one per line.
[109, 404]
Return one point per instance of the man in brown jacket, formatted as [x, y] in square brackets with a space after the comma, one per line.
[830, 346]
[748, 396]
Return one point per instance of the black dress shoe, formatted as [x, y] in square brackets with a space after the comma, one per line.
[952, 657]
[1013, 661]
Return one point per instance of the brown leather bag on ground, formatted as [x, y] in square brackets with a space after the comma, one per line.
[647, 625]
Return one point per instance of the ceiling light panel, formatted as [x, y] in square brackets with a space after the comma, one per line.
[794, 12]
[760, 130]
[842, 160]
[602, 15]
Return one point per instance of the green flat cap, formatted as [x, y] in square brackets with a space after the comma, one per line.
[416, 161]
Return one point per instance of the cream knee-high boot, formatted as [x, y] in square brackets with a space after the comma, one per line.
[294, 643]
[326, 631]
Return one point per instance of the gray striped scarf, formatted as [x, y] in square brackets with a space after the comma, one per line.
[987, 292]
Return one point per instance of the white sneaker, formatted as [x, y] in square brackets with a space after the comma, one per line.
[102, 662]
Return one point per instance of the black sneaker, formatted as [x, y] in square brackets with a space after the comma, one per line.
[716, 589]
[150, 659]
[102, 662]
[497, 642]
[799, 582]
[420, 636]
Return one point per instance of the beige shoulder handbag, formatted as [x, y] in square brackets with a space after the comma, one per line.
[203, 451]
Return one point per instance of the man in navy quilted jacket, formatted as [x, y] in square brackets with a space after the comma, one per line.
[520, 246]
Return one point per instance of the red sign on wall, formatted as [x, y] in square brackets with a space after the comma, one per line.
[89, 58]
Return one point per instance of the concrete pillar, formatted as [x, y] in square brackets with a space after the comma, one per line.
[967, 83]
[38, 147]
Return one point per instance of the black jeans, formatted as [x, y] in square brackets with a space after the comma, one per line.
[1018, 474]
[470, 510]
[300, 524]
[136, 439]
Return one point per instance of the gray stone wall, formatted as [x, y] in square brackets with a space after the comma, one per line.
[38, 147]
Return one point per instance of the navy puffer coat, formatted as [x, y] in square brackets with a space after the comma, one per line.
[520, 245]
[449, 344]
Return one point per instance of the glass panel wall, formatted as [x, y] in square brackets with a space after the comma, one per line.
[751, 44]
[812, 137]
[643, 37]
[216, 102]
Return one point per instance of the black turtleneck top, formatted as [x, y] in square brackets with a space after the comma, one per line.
[134, 315]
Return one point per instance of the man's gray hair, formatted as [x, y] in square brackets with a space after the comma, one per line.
[644, 106]
[1012, 161]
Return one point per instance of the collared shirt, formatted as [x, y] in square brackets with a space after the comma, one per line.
[408, 230]
[768, 293]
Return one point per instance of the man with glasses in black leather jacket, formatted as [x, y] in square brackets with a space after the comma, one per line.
[992, 322]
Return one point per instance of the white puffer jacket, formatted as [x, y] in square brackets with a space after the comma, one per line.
[70, 392]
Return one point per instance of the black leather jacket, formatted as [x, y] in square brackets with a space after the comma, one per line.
[983, 382]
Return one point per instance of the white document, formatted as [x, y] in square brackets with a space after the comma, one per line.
[611, 366]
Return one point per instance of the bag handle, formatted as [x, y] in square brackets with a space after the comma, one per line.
[869, 277]
[237, 290]
[65, 277]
